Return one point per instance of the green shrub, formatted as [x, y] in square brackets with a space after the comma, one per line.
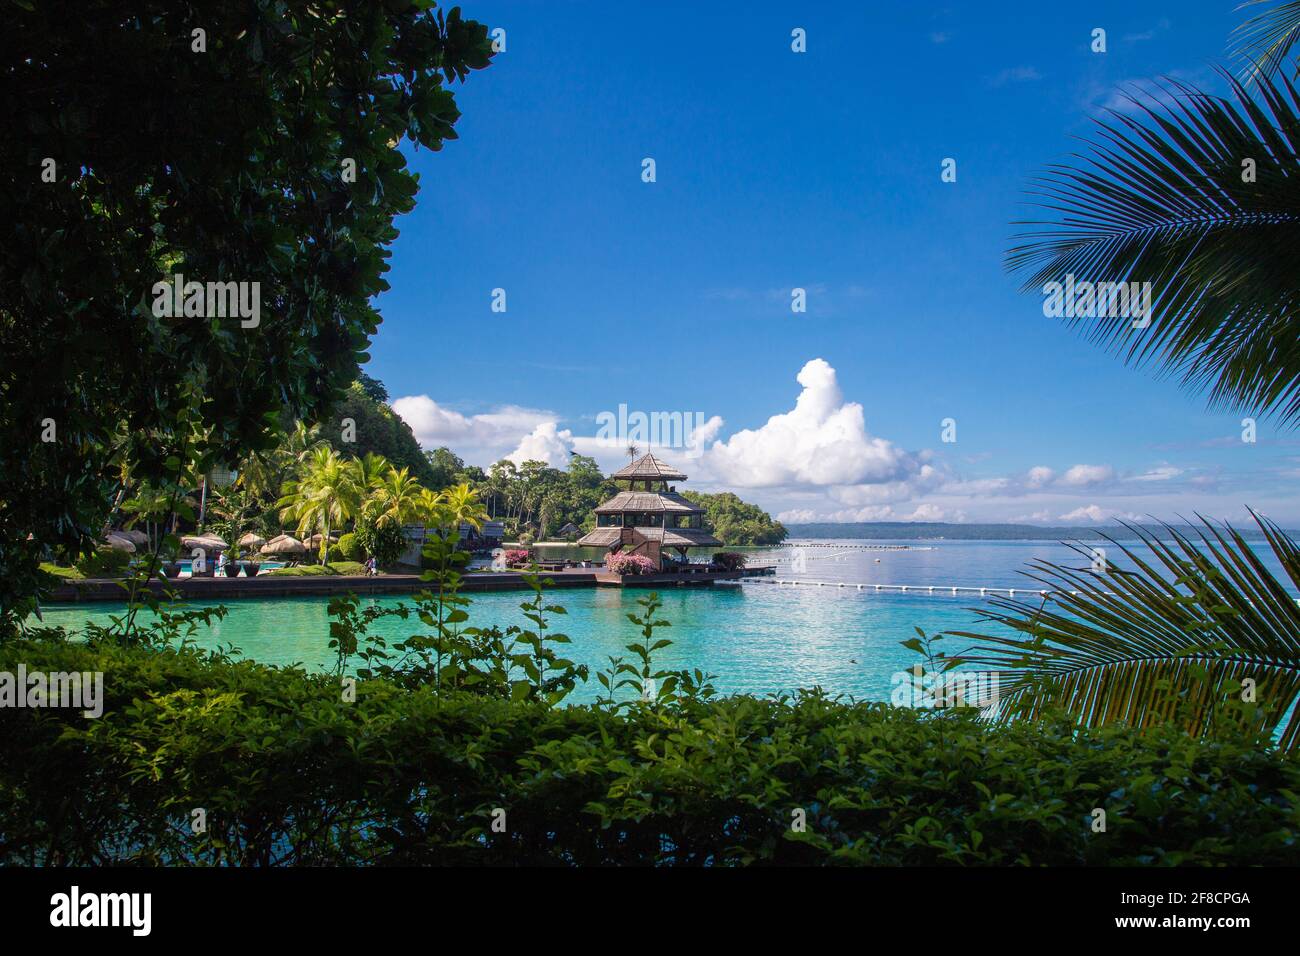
[318, 570]
[349, 548]
[104, 563]
[385, 541]
[290, 773]
[333, 553]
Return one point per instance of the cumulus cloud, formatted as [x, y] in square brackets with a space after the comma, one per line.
[545, 443]
[479, 439]
[1080, 476]
[1087, 513]
[821, 442]
[1038, 476]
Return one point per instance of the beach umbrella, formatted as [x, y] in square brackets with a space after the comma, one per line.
[119, 543]
[251, 540]
[135, 537]
[208, 542]
[314, 540]
[284, 544]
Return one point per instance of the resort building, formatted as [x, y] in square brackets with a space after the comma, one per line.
[649, 517]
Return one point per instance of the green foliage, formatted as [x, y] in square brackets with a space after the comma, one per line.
[379, 431]
[1200, 634]
[385, 542]
[1163, 197]
[349, 547]
[103, 563]
[735, 522]
[317, 570]
[290, 773]
[255, 192]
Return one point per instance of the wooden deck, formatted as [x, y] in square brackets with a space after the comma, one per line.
[223, 588]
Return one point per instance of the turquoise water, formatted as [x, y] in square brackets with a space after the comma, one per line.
[761, 637]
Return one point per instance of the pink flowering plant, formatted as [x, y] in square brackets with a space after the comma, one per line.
[630, 564]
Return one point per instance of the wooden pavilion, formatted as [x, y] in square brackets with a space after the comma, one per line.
[649, 515]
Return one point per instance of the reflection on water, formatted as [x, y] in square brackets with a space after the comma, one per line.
[759, 638]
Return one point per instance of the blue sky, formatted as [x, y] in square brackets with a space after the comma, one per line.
[817, 170]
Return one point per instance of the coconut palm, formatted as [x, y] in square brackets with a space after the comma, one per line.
[1195, 634]
[369, 470]
[1200, 196]
[395, 498]
[323, 497]
[1265, 40]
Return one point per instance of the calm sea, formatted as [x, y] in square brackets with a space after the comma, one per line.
[761, 637]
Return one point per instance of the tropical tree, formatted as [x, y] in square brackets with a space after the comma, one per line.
[369, 471]
[1198, 195]
[291, 186]
[323, 498]
[1200, 633]
[395, 499]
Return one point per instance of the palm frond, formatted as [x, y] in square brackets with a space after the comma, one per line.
[1171, 637]
[1265, 40]
[1163, 196]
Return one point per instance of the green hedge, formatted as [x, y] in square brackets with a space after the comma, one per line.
[349, 547]
[290, 773]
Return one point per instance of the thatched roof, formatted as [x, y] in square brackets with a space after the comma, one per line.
[284, 544]
[252, 540]
[569, 528]
[667, 537]
[209, 542]
[655, 502]
[119, 542]
[648, 467]
[135, 537]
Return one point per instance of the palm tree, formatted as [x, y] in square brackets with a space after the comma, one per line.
[395, 498]
[324, 496]
[1264, 40]
[1198, 195]
[1193, 635]
[369, 470]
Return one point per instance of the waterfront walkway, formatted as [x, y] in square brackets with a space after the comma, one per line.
[276, 585]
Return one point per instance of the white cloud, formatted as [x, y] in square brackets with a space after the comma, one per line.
[1038, 476]
[1080, 476]
[821, 442]
[546, 443]
[1088, 513]
[1163, 473]
[479, 439]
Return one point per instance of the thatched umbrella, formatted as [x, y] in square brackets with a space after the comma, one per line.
[284, 544]
[251, 540]
[314, 540]
[119, 543]
[135, 537]
[208, 542]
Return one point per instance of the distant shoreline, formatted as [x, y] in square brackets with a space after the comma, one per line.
[937, 531]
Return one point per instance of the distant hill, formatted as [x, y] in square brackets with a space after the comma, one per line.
[922, 530]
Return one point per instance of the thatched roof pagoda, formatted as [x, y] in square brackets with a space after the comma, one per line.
[649, 514]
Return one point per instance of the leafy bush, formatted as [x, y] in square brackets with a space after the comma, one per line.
[630, 564]
[349, 547]
[385, 542]
[729, 560]
[318, 570]
[104, 563]
[333, 553]
[516, 557]
[292, 774]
